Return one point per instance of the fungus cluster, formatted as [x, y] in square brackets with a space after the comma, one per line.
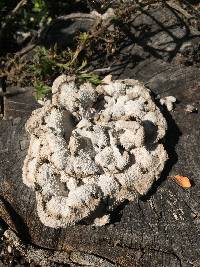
[91, 148]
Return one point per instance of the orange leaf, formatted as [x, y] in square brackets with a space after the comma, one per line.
[183, 181]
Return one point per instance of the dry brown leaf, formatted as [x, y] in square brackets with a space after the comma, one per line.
[183, 181]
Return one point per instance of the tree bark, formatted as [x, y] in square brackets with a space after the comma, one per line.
[163, 227]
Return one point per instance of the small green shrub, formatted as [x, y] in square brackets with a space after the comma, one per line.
[41, 90]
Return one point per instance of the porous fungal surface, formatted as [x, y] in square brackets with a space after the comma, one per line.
[91, 148]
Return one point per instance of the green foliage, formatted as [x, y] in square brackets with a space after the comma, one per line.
[40, 13]
[30, 16]
[41, 90]
[35, 16]
[84, 37]
[47, 64]
[38, 5]
[91, 77]
[43, 63]
[83, 65]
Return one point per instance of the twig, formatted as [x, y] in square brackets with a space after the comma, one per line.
[102, 70]
[18, 6]
[94, 33]
[26, 49]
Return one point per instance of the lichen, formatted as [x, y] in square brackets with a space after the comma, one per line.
[92, 148]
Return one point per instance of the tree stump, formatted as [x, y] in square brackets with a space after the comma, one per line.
[162, 228]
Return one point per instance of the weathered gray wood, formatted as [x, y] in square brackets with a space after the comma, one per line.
[161, 229]
[63, 30]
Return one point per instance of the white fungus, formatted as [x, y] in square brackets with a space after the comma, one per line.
[190, 108]
[168, 101]
[92, 148]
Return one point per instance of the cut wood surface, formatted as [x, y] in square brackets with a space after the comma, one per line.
[162, 228]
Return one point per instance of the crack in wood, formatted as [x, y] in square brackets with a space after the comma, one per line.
[2, 92]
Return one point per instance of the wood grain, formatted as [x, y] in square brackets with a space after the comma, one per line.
[162, 228]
